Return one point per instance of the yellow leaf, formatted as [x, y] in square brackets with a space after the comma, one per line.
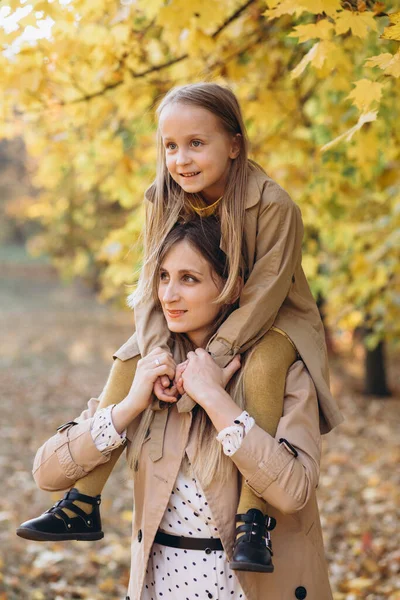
[389, 63]
[321, 30]
[393, 68]
[127, 516]
[150, 7]
[201, 14]
[359, 583]
[347, 135]
[381, 60]
[358, 23]
[286, 7]
[319, 6]
[198, 44]
[365, 93]
[393, 31]
[316, 56]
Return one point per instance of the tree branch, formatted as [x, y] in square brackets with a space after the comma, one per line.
[156, 68]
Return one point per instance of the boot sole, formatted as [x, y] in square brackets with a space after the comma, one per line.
[243, 566]
[40, 536]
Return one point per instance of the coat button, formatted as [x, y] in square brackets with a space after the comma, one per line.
[127, 598]
[208, 551]
[140, 535]
[300, 592]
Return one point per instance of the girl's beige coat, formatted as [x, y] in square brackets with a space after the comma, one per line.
[276, 293]
[286, 482]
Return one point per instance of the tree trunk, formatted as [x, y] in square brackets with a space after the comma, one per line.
[375, 372]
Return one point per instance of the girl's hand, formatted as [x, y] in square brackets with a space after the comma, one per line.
[149, 369]
[202, 376]
[178, 376]
[163, 392]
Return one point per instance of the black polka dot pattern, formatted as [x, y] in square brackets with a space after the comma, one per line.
[198, 575]
[103, 432]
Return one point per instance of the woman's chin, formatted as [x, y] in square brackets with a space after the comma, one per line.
[176, 327]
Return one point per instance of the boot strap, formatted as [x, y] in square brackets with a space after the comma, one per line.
[270, 522]
[68, 502]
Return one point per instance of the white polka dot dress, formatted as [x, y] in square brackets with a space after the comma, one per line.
[178, 574]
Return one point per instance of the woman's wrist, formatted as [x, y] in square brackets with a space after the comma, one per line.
[220, 407]
[124, 413]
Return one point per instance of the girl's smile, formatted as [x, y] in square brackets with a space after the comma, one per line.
[198, 151]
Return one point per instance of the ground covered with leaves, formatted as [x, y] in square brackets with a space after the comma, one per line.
[55, 353]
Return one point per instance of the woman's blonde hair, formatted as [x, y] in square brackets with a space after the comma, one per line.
[204, 236]
[168, 200]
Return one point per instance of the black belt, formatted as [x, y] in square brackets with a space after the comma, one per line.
[176, 541]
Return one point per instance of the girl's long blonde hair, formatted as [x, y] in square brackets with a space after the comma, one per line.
[168, 200]
[204, 236]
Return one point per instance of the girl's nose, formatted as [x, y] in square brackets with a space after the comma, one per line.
[182, 158]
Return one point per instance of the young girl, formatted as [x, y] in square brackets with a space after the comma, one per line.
[203, 168]
[185, 502]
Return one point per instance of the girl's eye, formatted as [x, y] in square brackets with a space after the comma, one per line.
[163, 276]
[170, 146]
[197, 143]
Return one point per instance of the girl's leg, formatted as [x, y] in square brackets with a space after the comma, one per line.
[116, 389]
[264, 386]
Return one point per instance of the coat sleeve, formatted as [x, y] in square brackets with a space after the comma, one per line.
[151, 327]
[270, 467]
[278, 251]
[71, 453]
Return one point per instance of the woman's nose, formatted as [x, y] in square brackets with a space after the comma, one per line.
[170, 293]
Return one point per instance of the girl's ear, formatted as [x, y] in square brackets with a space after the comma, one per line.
[236, 146]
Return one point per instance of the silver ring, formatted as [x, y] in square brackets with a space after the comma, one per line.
[157, 362]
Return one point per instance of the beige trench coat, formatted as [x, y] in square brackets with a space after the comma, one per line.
[286, 482]
[276, 293]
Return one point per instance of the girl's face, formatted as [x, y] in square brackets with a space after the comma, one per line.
[186, 289]
[198, 151]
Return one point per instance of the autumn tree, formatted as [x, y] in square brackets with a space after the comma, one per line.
[318, 81]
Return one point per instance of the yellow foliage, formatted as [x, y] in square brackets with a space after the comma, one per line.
[322, 29]
[347, 135]
[393, 31]
[84, 102]
[365, 93]
[358, 23]
[389, 63]
[321, 6]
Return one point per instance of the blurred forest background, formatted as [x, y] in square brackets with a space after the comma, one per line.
[319, 83]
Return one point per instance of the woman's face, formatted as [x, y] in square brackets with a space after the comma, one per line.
[186, 289]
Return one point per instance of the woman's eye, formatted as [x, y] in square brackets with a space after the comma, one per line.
[189, 278]
[163, 276]
[197, 143]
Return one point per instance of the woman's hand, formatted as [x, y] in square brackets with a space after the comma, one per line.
[178, 381]
[202, 377]
[149, 369]
[156, 364]
[164, 388]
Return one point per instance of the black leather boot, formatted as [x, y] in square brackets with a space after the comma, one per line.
[253, 550]
[48, 528]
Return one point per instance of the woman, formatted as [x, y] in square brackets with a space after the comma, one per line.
[185, 464]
